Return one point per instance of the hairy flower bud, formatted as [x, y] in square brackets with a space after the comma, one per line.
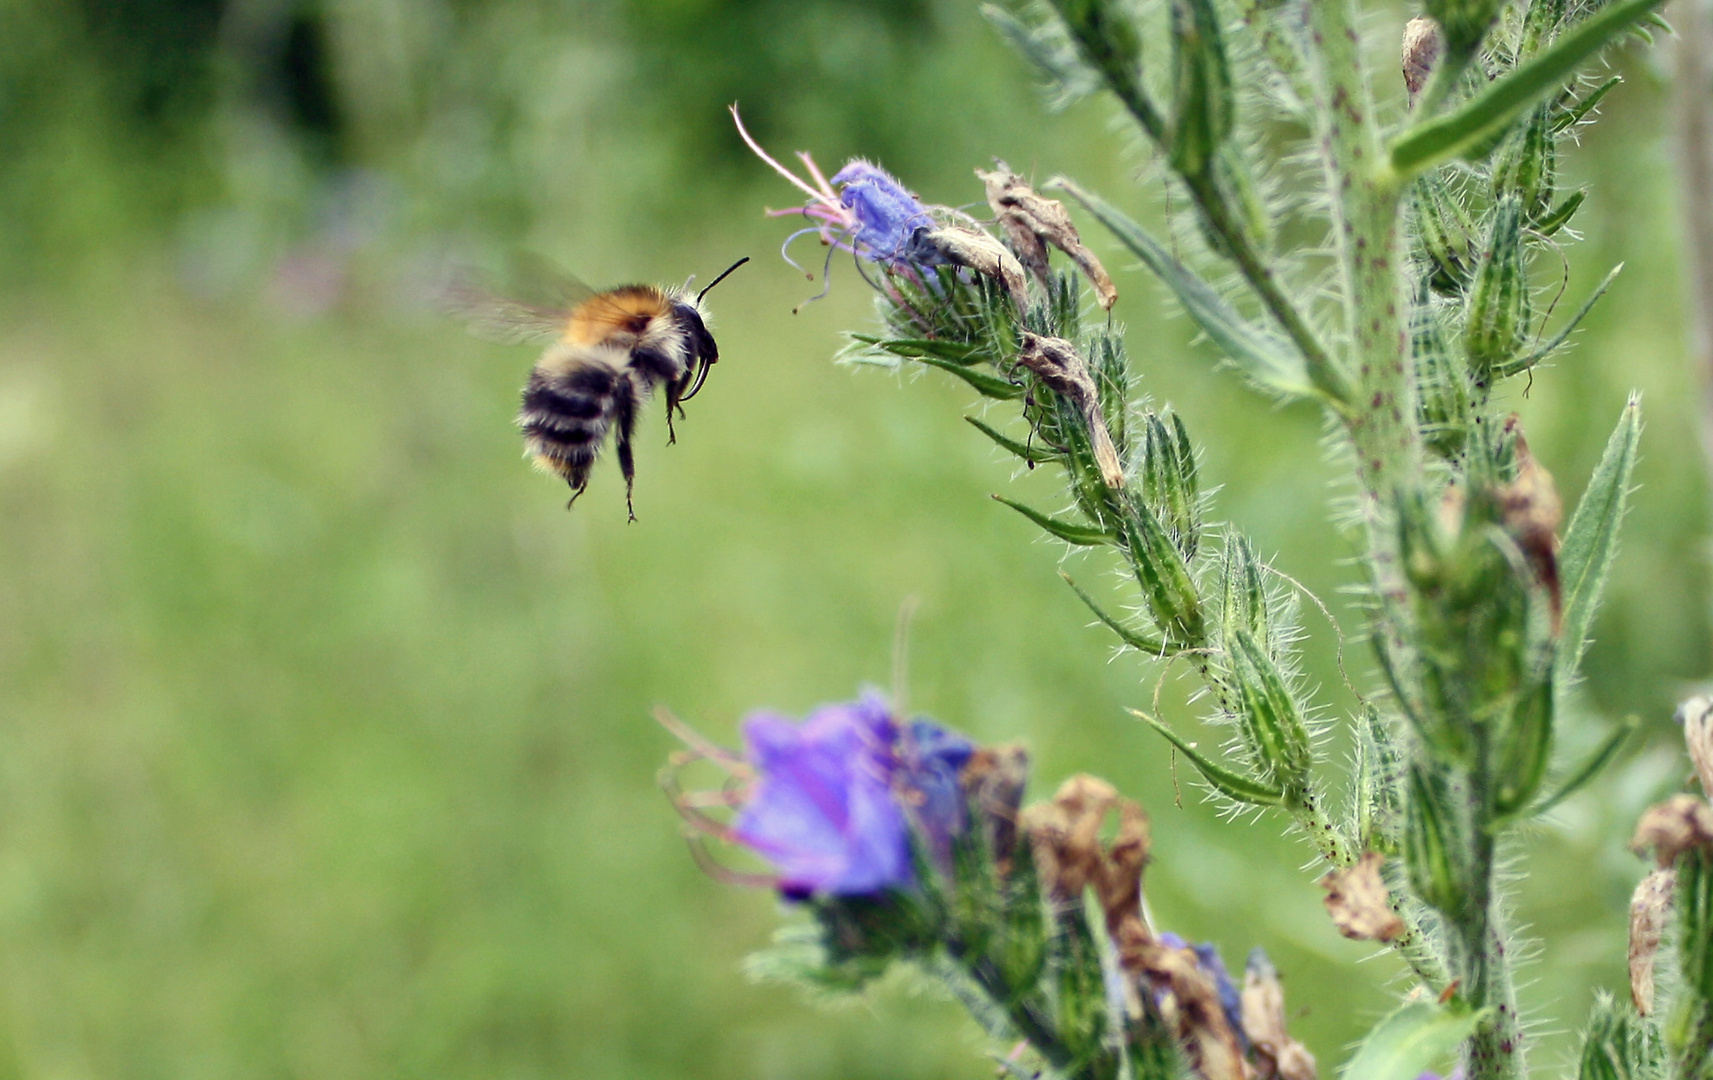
[1272, 724]
[1169, 480]
[1465, 22]
[1499, 317]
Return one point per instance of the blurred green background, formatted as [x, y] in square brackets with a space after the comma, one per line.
[325, 746]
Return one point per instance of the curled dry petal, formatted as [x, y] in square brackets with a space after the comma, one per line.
[1532, 513]
[1423, 44]
[977, 251]
[1276, 1053]
[1191, 1001]
[1673, 827]
[1649, 907]
[1031, 222]
[1696, 716]
[1358, 902]
[1058, 364]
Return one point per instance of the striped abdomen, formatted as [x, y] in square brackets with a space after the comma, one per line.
[567, 411]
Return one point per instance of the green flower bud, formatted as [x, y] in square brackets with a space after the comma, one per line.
[1527, 168]
[1272, 724]
[1695, 920]
[1498, 313]
[1169, 481]
[1243, 600]
[1443, 386]
[1445, 234]
[1379, 786]
[1167, 587]
[1204, 100]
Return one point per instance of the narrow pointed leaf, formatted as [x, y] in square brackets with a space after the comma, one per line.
[916, 348]
[1231, 784]
[1139, 642]
[1035, 455]
[1483, 119]
[1575, 113]
[988, 385]
[1069, 532]
[1560, 215]
[1409, 1042]
[1592, 540]
[1594, 766]
[1266, 358]
[1523, 363]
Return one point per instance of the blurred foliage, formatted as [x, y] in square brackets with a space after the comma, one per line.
[324, 738]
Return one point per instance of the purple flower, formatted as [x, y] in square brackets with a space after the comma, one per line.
[823, 812]
[931, 757]
[887, 215]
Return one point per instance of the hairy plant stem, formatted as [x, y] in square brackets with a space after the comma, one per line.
[1365, 198]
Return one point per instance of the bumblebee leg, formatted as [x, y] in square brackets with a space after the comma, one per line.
[576, 493]
[625, 421]
[671, 401]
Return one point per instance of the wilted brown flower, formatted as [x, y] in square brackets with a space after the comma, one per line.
[1650, 904]
[993, 780]
[1031, 222]
[1696, 716]
[1277, 1054]
[1532, 513]
[1423, 45]
[1673, 827]
[1358, 902]
[980, 252]
[1061, 367]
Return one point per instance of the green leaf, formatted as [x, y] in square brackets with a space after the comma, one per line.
[1591, 768]
[1478, 122]
[987, 385]
[1231, 784]
[1557, 218]
[1592, 539]
[1069, 532]
[1574, 114]
[1147, 645]
[916, 348]
[1035, 455]
[1524, 363]
[1266, 358]
[1412, 1040]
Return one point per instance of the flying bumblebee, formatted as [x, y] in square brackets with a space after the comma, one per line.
[606, 352]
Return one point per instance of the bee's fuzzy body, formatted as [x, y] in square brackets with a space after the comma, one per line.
[615, 349]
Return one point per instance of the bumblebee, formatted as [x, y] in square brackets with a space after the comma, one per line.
[606, 352]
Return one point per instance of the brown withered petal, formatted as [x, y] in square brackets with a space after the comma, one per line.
[1672, 827]
[1276, 1053]
[1032, 221]
[988, 257]
[1061, 367]
[1197, 1015]
[1696, 716]
[1358, 902]
[993, 781]
[1532, 514]
[1650, 904]
[1423, 44]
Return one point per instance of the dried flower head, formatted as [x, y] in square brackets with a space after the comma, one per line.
[1673, 827]
[1276, 1053]
[1650, 905]
[1358, 902]
[1058, 364]
[1696, 716]
[1032, 221]
[1423, 45]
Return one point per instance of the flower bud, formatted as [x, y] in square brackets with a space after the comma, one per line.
[1379, 786]
[1445, 234]
[1682, 823]
[1243, 598]
[1499, 315]
[1169, 481]
[1272, 724]
[1444, 386]
[1167, 587]
[1694, 903]
[1527, 167]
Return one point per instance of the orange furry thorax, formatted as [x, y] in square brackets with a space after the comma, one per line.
[627, 309]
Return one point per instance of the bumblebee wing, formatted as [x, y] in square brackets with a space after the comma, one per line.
[533, 309]
[501, 320]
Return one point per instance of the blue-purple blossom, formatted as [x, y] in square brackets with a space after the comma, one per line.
[823, 811]
[931, 759]
[887, 214]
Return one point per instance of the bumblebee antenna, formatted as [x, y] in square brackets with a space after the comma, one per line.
[721, 278]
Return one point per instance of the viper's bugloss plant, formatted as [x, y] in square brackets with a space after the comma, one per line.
[1442, 207]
